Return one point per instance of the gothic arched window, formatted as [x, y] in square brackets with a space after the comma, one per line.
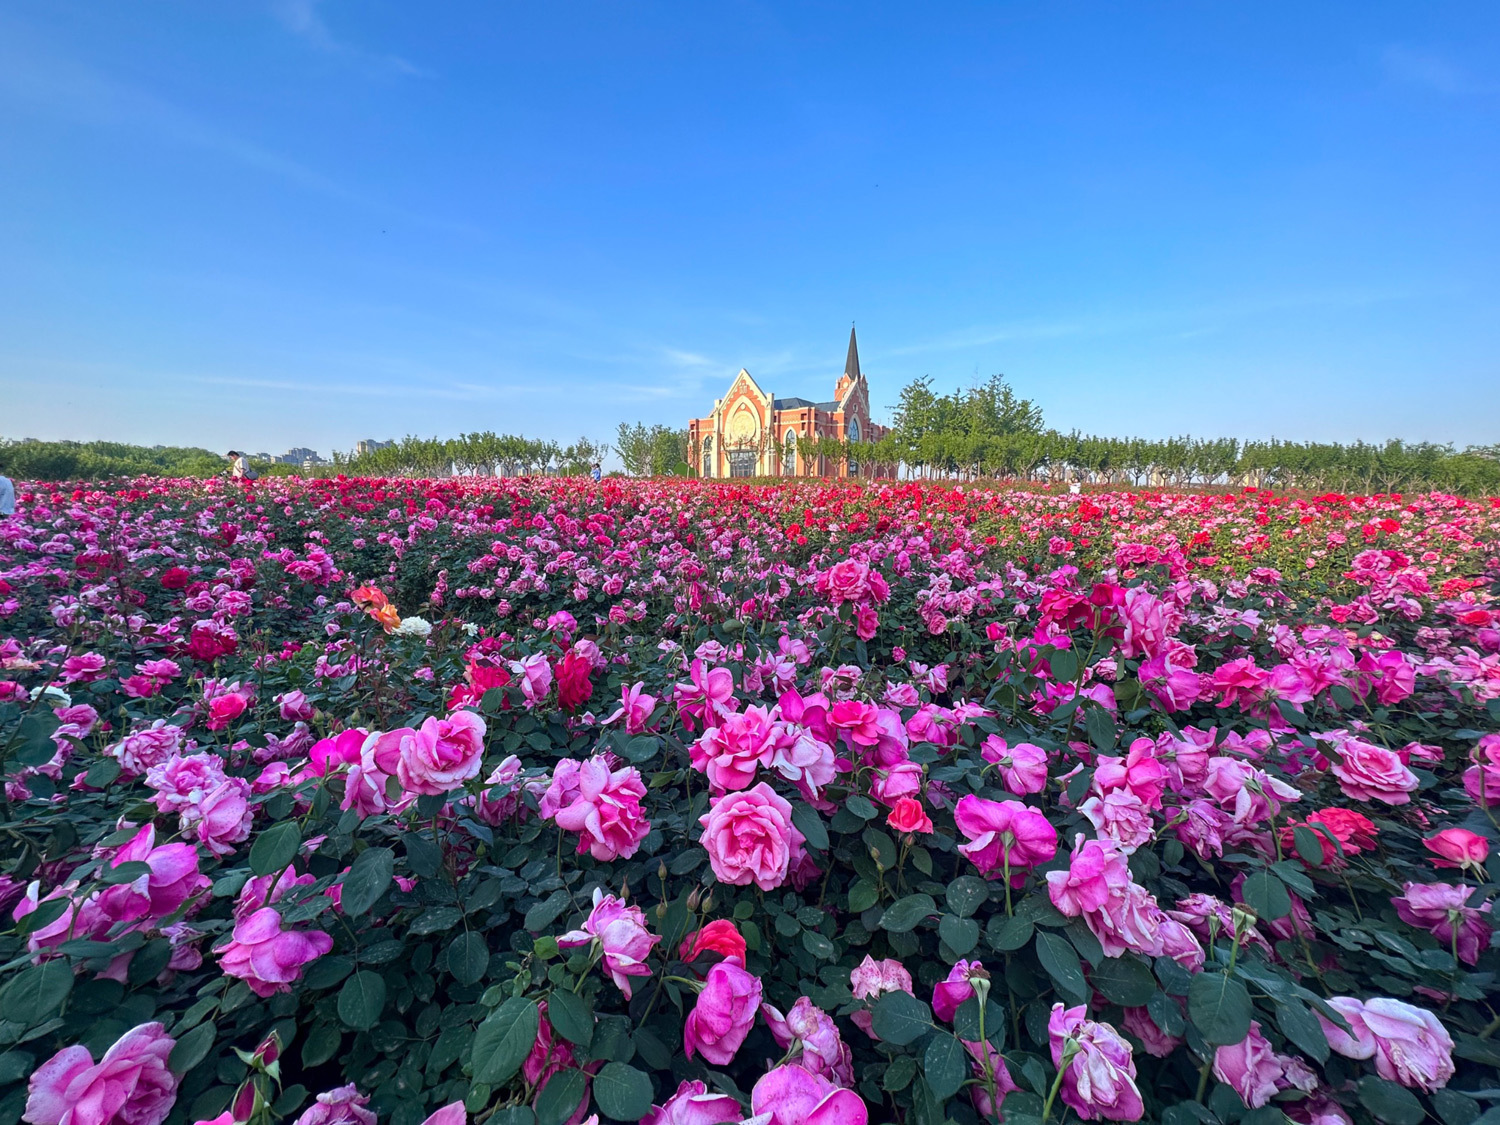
[789, 459]
[708, 456]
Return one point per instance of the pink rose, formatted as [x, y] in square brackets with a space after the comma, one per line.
[174, 879]
[1458, 847]
[340, 750]
[1372, 773]
[268, 958]
[791, 1095]
[536, 677]
[694, 1105]
[635, 708]
[723, 1014]
[342, 1106]
[729, 753]
[138, 751]
[873, 979]
[622, 935]
[224, 709]
[1442, 910]
[823, 1050]
[1157, 1042]
[549, 1054]
[749, 837]
[605, 811]
[223, 818]
[295, 706]
[1099, 1079]
[1004, 835]
[1408, 1043]
[1023, 767]
[443, 754]
[130, 1085]
[949, 995]
[452, 1114]
[1120, 816]
[1250, 1067]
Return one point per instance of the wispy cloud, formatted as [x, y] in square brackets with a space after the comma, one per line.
[302, 18]
[1182, 321]
[1416, 67]
[32, 73]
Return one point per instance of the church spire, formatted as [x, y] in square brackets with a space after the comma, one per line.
[851, 364]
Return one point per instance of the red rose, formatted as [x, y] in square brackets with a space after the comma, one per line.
[719, 936]
[175, 578]
[907, 815]
[573, 686]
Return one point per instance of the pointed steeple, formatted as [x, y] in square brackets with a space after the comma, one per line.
[851, 364]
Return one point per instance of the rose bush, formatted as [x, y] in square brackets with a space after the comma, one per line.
[347, 801]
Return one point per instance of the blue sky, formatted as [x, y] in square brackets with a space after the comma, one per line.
[267, 223]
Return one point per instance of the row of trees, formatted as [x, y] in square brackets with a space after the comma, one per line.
[652, 451]
[475, 454]
[30, 459]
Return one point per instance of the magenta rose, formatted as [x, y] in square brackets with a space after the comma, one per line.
[605, 810]
[342, 1106]
[1373, 773]
[1250, 1067]
[749, 837]
[1098, 1081]
[723, 1015]
[1443, 910]
[1004, 834]
[130, 1085]
[268, 958]
[1408, 1043]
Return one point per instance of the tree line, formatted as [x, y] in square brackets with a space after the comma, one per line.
[476, 454]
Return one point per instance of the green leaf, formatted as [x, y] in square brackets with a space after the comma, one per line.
[544, 913]
[192, 1048]
[504, 1039]
[862, 807]
[818, 945]
[127, 872]
[811, 825]
[369, 877]
[945, 1065]
[961, 934]
[900, 1018]
[862, 896]
[1219, 1007]
[622, 1092]
[361, 1000]
[425, 857]
[967, 894]
[1265, 894]
[39, 990]
[1012, 934]
[15, 1065]
[1064, 664]
[1308, 846]
[571, 1015]
[899, 1074]
[1298, 1024]
[1101, 729]
[1062, 965]
[321, 1044]
[468, 958]
[642, 748]
[966, 1022]
[275, 848]
[1126, 980]
[560, 1097]
[903, 915]
[1455, 1108]
[436, 920]
[102, 774]
[1390, 1102]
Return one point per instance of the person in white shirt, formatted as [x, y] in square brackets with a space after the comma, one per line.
[238, 466]
[7, 497]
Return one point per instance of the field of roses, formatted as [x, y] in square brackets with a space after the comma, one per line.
[542, 801]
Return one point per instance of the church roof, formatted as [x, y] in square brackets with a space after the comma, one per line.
[791, 403]
[851, 364]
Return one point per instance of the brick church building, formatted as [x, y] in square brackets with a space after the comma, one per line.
[751, 433]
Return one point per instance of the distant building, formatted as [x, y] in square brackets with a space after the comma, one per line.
[300, 456]
[751, 433]
[370, 445]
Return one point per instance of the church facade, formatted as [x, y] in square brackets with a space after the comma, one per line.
[752, 433]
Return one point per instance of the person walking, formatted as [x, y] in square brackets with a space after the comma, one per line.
[7, 496]
[239, 466]
[597, 472]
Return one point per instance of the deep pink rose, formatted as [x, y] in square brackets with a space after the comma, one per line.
[749, 837]
[729, 753]
[1408, 1043]
[949, 995]
[1442, 909]
[1023, 767]
[694, 1105]
[622, 935]
[791, 1095]
[1250, 1067]
[130, 1085]
[1004, 834]
[723, 1015]
[268, 958]
[339, 750]
[1458, 847]
[223, 818]
[453, 1113]
[224, 709]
